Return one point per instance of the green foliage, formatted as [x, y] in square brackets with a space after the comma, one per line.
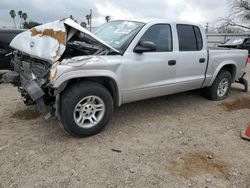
[13, 15]
[24, 16]
[30, 24]
[107, 18]
[20, 13]
[84, 24]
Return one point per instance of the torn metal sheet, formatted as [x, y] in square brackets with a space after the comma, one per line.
[48, 41]
[42, 41]
[80, 61]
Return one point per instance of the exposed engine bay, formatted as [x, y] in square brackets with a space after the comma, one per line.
[81, 45]
[31, 76]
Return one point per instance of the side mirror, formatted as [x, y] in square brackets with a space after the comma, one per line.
[145, 46]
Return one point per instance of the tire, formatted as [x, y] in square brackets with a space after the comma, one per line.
[219, 92]
[77, 103]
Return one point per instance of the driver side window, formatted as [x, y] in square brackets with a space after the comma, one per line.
[161, 36]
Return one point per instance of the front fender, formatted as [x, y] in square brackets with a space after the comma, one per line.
[62, 79]
[83, 74]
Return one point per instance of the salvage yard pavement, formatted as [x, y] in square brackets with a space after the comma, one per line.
[181, 140]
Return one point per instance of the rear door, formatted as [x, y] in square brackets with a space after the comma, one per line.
[191, 58]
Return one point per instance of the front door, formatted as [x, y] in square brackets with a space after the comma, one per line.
[150, 74]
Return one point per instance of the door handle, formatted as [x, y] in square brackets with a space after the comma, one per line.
[172, 63]
[202, 60]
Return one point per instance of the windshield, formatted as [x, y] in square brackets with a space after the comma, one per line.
[118, 33]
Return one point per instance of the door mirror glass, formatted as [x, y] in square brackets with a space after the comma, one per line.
[145, 46]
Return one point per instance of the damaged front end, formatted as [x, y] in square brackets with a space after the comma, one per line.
[31, 76]
[39, 50]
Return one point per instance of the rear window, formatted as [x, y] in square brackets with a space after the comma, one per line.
[198, 37]
[190, 38]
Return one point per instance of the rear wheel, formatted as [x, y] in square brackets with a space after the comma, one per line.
[221, 86]
[86, 108]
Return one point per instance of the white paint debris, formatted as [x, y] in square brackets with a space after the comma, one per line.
[80, 61]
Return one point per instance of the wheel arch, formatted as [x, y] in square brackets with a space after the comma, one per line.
[108, 82]
[229, 66]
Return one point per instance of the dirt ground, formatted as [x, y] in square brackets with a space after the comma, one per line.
[181, 140]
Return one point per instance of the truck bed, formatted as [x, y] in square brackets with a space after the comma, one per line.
[220, 56]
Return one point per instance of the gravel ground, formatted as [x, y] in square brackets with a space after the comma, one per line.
[181, 140]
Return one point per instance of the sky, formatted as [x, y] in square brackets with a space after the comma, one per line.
[196, 11]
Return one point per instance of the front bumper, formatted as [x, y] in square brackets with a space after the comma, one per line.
[27, 82]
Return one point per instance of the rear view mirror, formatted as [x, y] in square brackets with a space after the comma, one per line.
[145, 46]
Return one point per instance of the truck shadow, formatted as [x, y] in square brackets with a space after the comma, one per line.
[146, 111]
[152, 109]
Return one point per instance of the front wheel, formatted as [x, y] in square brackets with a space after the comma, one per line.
[86, 108]
[221, 86]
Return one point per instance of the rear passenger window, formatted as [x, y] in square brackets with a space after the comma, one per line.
[161, 35]
[198, 37]
[190, 38]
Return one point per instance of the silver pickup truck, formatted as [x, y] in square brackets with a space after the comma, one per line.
[84, 75]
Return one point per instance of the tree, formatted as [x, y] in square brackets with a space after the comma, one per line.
[30, 24]
[107, 18]
[84, 24]
[24, 16]
[13, 15]
[239, 16]
[20, 13]
[229, 29]
[240, 9]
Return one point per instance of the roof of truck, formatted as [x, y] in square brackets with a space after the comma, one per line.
[154, 20]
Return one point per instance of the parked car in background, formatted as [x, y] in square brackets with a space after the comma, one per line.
[6, 36]
[241, 43]
[82, 76]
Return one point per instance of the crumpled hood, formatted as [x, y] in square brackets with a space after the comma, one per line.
[48, 41]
